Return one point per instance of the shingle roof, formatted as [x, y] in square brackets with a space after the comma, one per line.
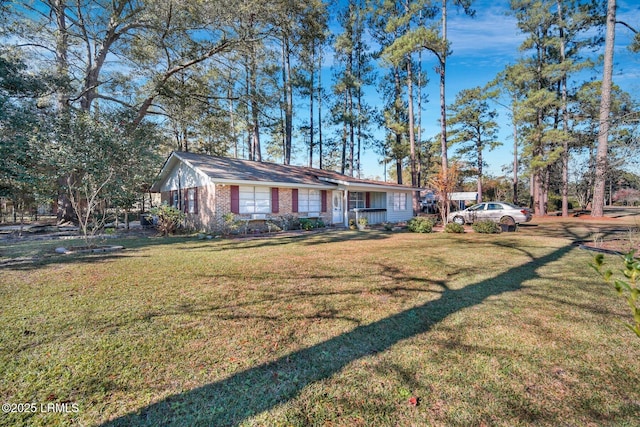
[229, 169]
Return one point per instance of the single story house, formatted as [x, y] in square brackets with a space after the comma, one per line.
[207, 188]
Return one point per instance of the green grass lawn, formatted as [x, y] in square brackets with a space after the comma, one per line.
[333, 329]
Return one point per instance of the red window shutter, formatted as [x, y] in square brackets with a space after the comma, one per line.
[294, 200]
[367, 201]
[235, 199]
[185, 200]
[195, 200]
[275, 200]
[323, 198]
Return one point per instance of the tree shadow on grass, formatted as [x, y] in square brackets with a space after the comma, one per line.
[248, 393]
[31, 257]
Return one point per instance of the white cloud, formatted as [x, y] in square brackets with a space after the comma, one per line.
[490, 34]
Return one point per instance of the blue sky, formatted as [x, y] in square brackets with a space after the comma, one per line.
[482, 46]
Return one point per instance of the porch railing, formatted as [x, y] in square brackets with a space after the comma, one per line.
[373, 215]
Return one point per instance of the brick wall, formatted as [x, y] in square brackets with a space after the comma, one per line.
[286, 198]
[222, 200]
[214, 201]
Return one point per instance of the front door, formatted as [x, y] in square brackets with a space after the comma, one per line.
[336, 203]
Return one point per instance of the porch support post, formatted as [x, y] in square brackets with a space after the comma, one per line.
[345, 207]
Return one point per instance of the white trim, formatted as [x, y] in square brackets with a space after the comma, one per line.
[271, 184]
[355, 186]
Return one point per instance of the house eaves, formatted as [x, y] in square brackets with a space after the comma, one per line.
[368, 185]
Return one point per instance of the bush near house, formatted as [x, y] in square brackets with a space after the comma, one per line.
[420, 225]
[453, 227]
[486, 227]
[169, 218]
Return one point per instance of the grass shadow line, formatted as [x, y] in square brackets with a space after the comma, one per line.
[230, 401]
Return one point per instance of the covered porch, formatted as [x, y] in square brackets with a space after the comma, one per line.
[371, 205]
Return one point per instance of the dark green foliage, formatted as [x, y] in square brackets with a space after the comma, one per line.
[168, 218]
[309, 224]
[555, 203]
[420, 224]
[453, 227]
[306, 224]
[486, 227]
[24, 163]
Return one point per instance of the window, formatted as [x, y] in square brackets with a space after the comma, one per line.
[174, 199]
[254, 200]
[192, 201]
[399, 201]
[494, 207]
[309, 200]
[356, 200]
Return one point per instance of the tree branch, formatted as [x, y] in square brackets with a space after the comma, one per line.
[628, 26]
[223, 45]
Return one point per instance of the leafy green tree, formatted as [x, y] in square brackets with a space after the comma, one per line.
[394, 118]
[102, 161]
[153, 40]
[24, 168]
[621, 150]
[433, 38]
[311, 41]
[557, 33]
[350, 78]
[474, 127]
[510, 84]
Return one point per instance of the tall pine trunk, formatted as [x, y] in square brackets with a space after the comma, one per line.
[412, 138]
[288, 99]
[605, 107]
[398, 135]
[320, 153]
[64, 206]
[565, 121]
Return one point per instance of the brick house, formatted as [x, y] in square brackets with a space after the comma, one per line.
[207, 187]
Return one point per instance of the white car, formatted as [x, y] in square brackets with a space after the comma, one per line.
[500, 212]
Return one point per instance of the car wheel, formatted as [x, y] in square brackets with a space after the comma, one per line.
[507, 220]
[458, 220]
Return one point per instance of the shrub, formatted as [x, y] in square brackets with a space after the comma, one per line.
[420, 224]
[309, 224]
[362, 223]
[272, 226]
[306, 224]
[629, 289]
[486, 226]
[169, 218]
[555, 203]
[227, 224]
[453, 227]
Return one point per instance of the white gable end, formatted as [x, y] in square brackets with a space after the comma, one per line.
[183, 176]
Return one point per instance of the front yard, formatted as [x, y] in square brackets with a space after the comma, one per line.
[337, 329]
